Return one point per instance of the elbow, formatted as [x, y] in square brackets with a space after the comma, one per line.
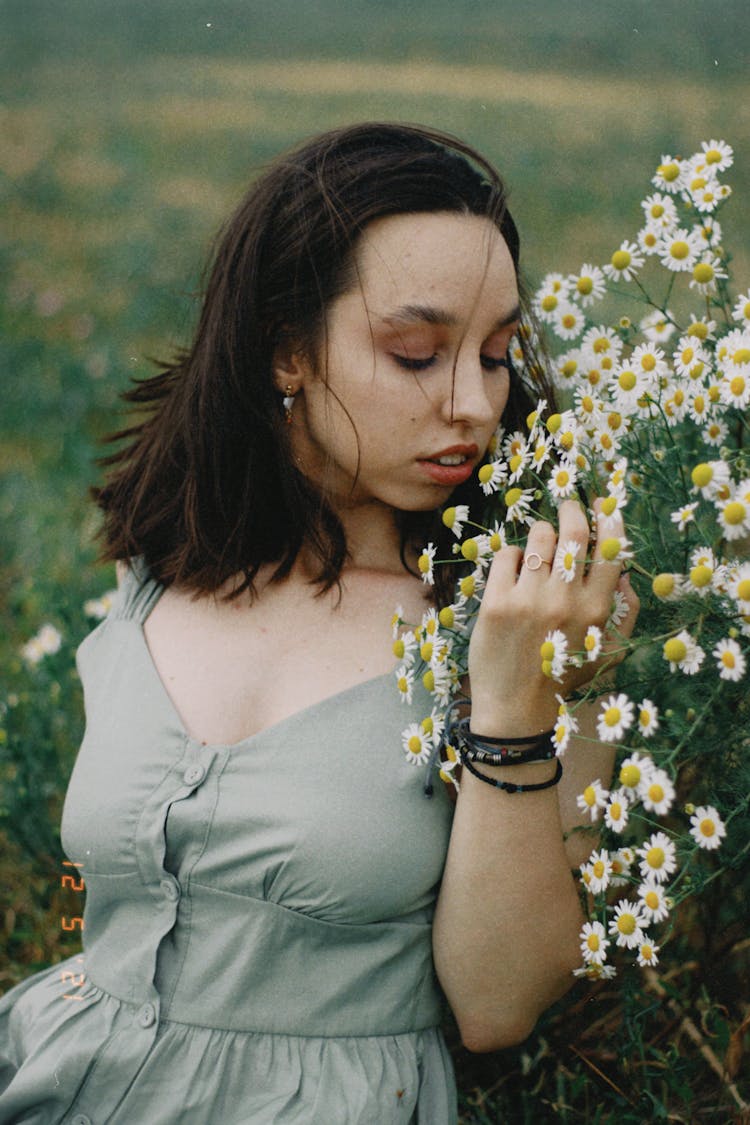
[482, 1038]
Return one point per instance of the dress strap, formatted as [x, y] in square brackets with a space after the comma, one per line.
[137, 593]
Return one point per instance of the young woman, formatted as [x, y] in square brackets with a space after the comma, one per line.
[275, 910]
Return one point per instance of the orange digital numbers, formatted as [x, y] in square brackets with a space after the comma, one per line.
[70, 924]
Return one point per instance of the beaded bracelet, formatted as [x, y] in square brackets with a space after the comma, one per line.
[502, 751]
[512, 787]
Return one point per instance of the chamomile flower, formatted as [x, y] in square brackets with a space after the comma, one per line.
[706, 273]
[730, 660]
[741, 309]
[593, 799]
[452, 616]
[715, 432]
[615, 548]
[658, 857]
[45, 643]
[660, 211]
[657, 793]
[554, 654]
[630, 384]
[625, 262]
[669, 175]
[455, 518]
[518, 505]
[492, 476]
[600, 866]
[622, 861]
[647, 718]
[707, 828]
[684, 515]
[596, 971]
[568, 321]
[594, 943]
[654, 901]
[562, 481]
[566, 725]
[618, 612]
[626, 926]
[405, 648]
[703, 329]
[658, 327]
[718, 155]
[417, 744]
[738, 585]
[683, 653]
[98, 608]
[405, 683]
[699, 407]
[588, 285]
[425, 563]
[553, 289]
[592, 642]
[734, 515]
[688, 355]
[710, 478]
[616, 811]
[650, 360]
[735, 389]
[647, 954]
[679, 250]
[633, 772]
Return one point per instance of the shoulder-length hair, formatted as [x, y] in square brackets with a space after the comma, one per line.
[204, 487]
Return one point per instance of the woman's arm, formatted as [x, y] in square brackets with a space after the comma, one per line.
[508, 916]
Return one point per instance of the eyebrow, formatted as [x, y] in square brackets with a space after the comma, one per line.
[428, 314]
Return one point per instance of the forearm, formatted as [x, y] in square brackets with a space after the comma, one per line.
[585, 760]
[508, 916]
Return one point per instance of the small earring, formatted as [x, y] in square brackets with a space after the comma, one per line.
[288, 403]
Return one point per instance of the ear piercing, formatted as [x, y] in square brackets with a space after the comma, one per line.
[288, 403]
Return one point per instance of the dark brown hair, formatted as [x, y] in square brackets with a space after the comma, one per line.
[204, 487]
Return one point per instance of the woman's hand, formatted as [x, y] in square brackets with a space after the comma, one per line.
[511, 696]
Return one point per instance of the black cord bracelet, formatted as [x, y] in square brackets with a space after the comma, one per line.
[500, 751]
[511, 786]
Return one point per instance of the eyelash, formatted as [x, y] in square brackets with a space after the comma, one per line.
[489, 362]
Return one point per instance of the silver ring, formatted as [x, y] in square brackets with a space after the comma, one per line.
[538, 560]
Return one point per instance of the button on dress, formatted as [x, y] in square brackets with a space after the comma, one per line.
[257, 928]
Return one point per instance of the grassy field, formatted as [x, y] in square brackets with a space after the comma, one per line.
[127, 134]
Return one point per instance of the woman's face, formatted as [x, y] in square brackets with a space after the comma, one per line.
[412, 378]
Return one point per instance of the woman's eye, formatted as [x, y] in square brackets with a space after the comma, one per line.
[410, 363]
[491, 363]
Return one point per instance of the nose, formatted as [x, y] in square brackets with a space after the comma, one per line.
[473, 396]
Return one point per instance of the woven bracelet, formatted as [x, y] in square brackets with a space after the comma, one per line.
[502, 751]
[512, 787]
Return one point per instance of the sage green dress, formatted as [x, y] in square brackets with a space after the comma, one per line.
[257, 928]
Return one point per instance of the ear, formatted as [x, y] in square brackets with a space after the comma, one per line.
[290, 368]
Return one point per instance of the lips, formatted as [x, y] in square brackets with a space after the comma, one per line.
[451, 466]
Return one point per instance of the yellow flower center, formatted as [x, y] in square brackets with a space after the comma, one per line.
[496, 541]
[743, 590]
[675, 650]
[615, 811]
[734, 513]
[427, 725]
[611, 549]
[679, 250]
[547, 668]
[592, 941]
[737, 385]
[585, 285]
[626, 923]
[702, 475]
[449, 517]
[403, 685]
[589, 796]
[651, 899]
[515, 462]
[554, 422]
[630, 775]
[512, 496]
[547, 651]
[587, 404]
[567, 439]
[657, 210]
[426, 651]
[589, 641]
[646, 952]
[707, 828]
[648, 363]
[470, 549]
[467, 585]
[703, 273]
[727, 659]
[655, 858]
[621, 259]
[415, 744]
[485, 473]
[627, 380]
[701, 576]
[569, 368]
[599, 869]
[562, 478]
[399, 649]
[424, 563]
[612, 716]
[428, 679]
[713, 156]
[446, 617]
[698, 329]
[669, 172]
[656, 792]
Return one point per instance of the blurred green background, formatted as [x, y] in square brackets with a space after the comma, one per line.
[129, 129]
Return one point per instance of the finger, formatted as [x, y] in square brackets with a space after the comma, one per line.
[540, 551]
[573, 540]
[503, 572]
[609, 548]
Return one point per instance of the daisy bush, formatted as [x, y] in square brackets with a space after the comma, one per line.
[652, 421]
